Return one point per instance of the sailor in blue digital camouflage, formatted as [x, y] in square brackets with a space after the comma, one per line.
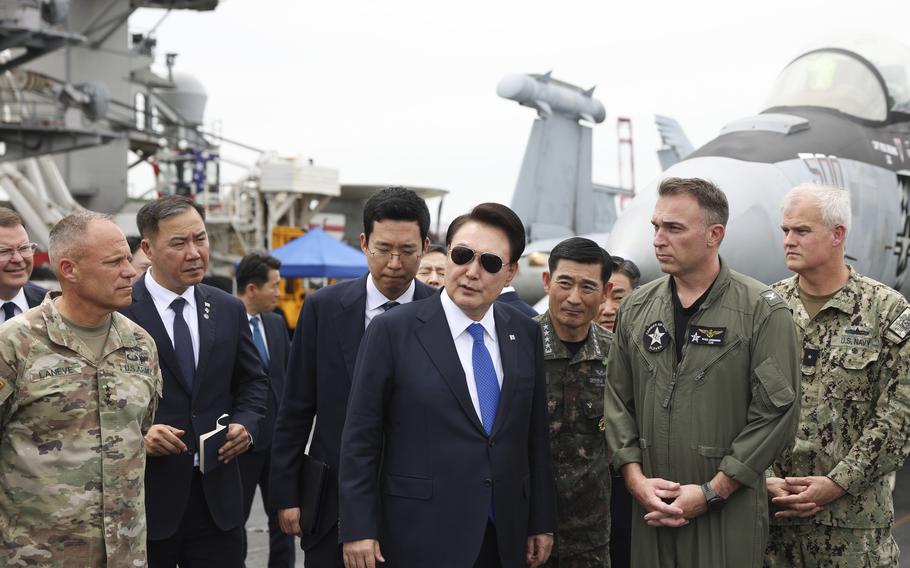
[831, 492]
[575, 357]
[79, 385]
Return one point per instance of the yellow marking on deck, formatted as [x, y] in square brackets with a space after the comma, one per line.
[901, 521]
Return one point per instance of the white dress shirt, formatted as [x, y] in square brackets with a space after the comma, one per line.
[464, 344]
[261, 330]
[19, 300]
[375, 300]
[163, 298]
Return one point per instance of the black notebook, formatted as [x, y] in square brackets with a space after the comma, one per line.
[210, 443]
[311, 485]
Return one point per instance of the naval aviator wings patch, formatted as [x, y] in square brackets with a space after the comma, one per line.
[901, 326]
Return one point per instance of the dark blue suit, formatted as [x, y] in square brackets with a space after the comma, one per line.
[229, 379]
[418, 470]
[514, 300]
[34, 294]
[255, 464]
[320, 368]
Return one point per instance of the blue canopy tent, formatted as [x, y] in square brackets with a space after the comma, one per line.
[319, 255]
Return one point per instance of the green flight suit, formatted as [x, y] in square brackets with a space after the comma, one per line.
[730, 405]
[575, 394]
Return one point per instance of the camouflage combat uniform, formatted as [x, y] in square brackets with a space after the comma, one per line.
[72, 453]
[575, 391]
[853, 424]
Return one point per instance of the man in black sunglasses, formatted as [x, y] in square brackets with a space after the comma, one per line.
[445, 460]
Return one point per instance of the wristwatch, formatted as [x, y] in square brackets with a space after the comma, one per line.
[715, 501]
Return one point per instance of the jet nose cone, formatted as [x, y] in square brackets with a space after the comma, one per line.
[752, 244]
[632, 237]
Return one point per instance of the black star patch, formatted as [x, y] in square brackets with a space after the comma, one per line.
[706, 335]
[656, 337]
[810, 356]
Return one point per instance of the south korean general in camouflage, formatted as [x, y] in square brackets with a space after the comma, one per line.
[79, 385]
[575, 351]
[855, 368]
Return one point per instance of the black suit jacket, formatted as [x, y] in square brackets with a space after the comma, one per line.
[279, 344]
[319, 373]
[417, 468]
[514, 300]
[229, 379]
[34, 294]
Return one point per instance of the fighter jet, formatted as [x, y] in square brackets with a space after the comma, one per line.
[838, 115]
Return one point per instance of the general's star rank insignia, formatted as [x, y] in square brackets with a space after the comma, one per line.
[656, 337]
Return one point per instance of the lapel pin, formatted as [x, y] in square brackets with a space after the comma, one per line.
[512, 337]
[205, 315]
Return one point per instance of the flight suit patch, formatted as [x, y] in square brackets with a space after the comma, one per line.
[771, 297]
[901, 325]
[810, 356]
[656, 337]
[705, 335]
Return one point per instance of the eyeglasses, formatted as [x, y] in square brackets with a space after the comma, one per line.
[387, 253]
[462, 255]
[26, 251]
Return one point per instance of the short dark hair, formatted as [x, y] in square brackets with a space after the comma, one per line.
[436, 248]
[628, 268]
[710, 198]
[584, 251]
[9, 218]
[153, 212]
[134, 243]
[494, 215]
[254, 269]
[396, 203]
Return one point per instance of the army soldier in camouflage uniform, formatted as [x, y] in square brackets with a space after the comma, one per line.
[575, 355]
[79, 384]
[830, 490]
[701, 393]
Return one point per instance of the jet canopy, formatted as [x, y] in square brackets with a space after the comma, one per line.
[861, 77]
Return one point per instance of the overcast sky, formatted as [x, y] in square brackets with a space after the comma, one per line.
[404, 91]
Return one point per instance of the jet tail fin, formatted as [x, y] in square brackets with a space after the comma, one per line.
[676, 145]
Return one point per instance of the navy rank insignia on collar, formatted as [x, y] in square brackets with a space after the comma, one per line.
[705, 335]
[656, 337]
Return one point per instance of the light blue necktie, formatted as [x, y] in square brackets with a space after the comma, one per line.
[260, 342]
[484, 378]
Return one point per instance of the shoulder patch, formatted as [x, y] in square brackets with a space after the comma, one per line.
[772, 297]
[901, 325]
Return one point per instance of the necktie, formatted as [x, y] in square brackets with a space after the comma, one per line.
[260, 342]
[484, 377]
[183, 344]
[389, 305]
[9, 310]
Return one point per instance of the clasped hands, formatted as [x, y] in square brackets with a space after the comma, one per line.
[164, 440]
[802, 496]
[688, 501]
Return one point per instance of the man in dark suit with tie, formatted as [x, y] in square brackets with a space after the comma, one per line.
[396, 222]
[445, 455]
[510, 296]
[210, 367]
[258, 287]
[17, 255]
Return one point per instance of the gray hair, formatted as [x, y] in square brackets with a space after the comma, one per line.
[833, 202]
[67, 238]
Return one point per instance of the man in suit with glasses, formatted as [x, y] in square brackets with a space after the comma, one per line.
[445, 457]
[396, 222]
[17, 253]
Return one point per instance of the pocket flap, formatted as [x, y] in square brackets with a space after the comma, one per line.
[410, 487]
[774, 383]
[714, 451]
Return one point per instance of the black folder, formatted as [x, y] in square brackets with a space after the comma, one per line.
[311, 485]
